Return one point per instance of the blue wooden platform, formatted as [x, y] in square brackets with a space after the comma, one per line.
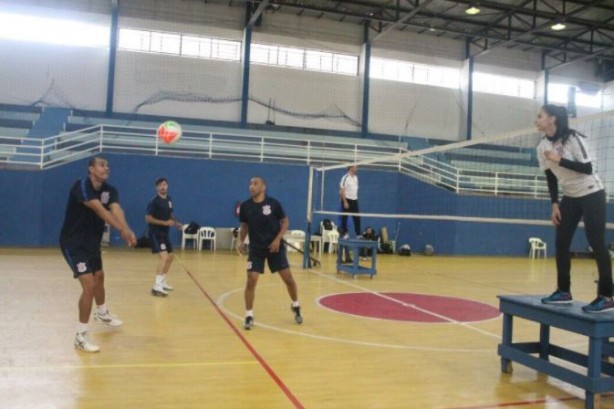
[596, 378]
[354, 246]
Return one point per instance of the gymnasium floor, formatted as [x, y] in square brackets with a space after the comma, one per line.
[190, 351]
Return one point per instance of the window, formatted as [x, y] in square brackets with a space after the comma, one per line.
[136, 40]
[559, 93]
[304, 59]
[196, 47]
[394, 70]
[55, 31]
[501, 85]
[178, 44]
[318, 61]
[165, 43]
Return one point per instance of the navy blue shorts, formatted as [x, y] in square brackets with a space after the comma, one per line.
[276, 261]
[82, 261]
[159, 243]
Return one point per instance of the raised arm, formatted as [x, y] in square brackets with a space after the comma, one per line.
[125, 231]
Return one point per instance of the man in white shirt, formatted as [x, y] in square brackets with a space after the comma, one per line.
[348, 192]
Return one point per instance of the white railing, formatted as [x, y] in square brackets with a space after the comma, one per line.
[38, 154]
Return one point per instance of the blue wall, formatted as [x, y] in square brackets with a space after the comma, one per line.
[207, 191]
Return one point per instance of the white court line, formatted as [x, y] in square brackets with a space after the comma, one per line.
[220, 302]
[386, 297]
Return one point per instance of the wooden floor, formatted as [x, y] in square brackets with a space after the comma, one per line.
[190, 351]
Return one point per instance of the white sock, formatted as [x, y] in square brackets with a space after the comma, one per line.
[102, 309]
[164, 278]
[81, 328]
[249, 313]
[295, 304]
[159, 279]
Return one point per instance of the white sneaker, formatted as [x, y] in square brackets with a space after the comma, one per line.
[84, 344]
[158, 291]
[166, 286]
[107, 319]
[346, 236]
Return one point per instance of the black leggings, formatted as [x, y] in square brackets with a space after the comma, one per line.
[592, 208]
[352, 208]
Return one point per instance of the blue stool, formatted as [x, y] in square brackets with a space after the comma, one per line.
[354, 246]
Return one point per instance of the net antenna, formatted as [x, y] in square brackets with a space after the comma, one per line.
[495, 170]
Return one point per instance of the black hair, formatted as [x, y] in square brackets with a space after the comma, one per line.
[261, 178]
[563, 130]
[93, 160]
[160, 180]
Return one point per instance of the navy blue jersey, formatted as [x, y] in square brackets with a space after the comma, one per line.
[263, 221]
[161, 209]
[82, 227]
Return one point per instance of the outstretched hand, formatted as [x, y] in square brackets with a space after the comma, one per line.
[129, 237]
[242, 248]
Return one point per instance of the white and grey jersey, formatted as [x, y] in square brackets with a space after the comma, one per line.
[350, 185]
[573, 184]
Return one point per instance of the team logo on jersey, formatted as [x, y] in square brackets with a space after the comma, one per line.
[81, 267]
[170, 204]
[266, 210]
[104, 197]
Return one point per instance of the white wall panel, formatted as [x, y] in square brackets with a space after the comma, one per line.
[414, 110]
[304, 93]
[190, 87]
[56, 75]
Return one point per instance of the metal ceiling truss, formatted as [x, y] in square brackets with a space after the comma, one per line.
[504, 23]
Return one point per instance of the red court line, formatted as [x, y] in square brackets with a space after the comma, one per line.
[526, 402]
[259, 358]
[521, 403]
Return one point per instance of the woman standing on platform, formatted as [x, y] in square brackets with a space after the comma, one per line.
[563, 155]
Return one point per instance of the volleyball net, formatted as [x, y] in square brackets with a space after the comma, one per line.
[488, 180]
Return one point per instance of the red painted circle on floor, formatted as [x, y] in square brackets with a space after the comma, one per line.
[410, 307]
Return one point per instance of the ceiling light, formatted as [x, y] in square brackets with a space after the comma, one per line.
[558, 26]
[472, 10]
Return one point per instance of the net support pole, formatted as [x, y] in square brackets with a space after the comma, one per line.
[306, 258]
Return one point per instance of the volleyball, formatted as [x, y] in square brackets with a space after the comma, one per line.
[169, 132]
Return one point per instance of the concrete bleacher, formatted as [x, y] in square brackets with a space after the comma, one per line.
[476, 164]
[17, 120]
[15, 124]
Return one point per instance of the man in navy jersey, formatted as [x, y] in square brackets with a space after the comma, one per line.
[263, 218]
[92, 202]
[159, 217]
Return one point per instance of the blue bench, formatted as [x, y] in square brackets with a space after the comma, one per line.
[598, 327]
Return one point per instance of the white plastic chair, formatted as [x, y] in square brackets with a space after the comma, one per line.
[333, 241]
[295, 238]
[185, 237]
[206, 234]
[233, 240]
[329, 236]
[536, 245]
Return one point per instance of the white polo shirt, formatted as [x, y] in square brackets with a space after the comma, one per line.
[573, 184]
[350, 185]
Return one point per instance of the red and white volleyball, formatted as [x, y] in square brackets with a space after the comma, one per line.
[169, 132]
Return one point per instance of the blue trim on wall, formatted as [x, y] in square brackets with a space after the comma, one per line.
[207, 191]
